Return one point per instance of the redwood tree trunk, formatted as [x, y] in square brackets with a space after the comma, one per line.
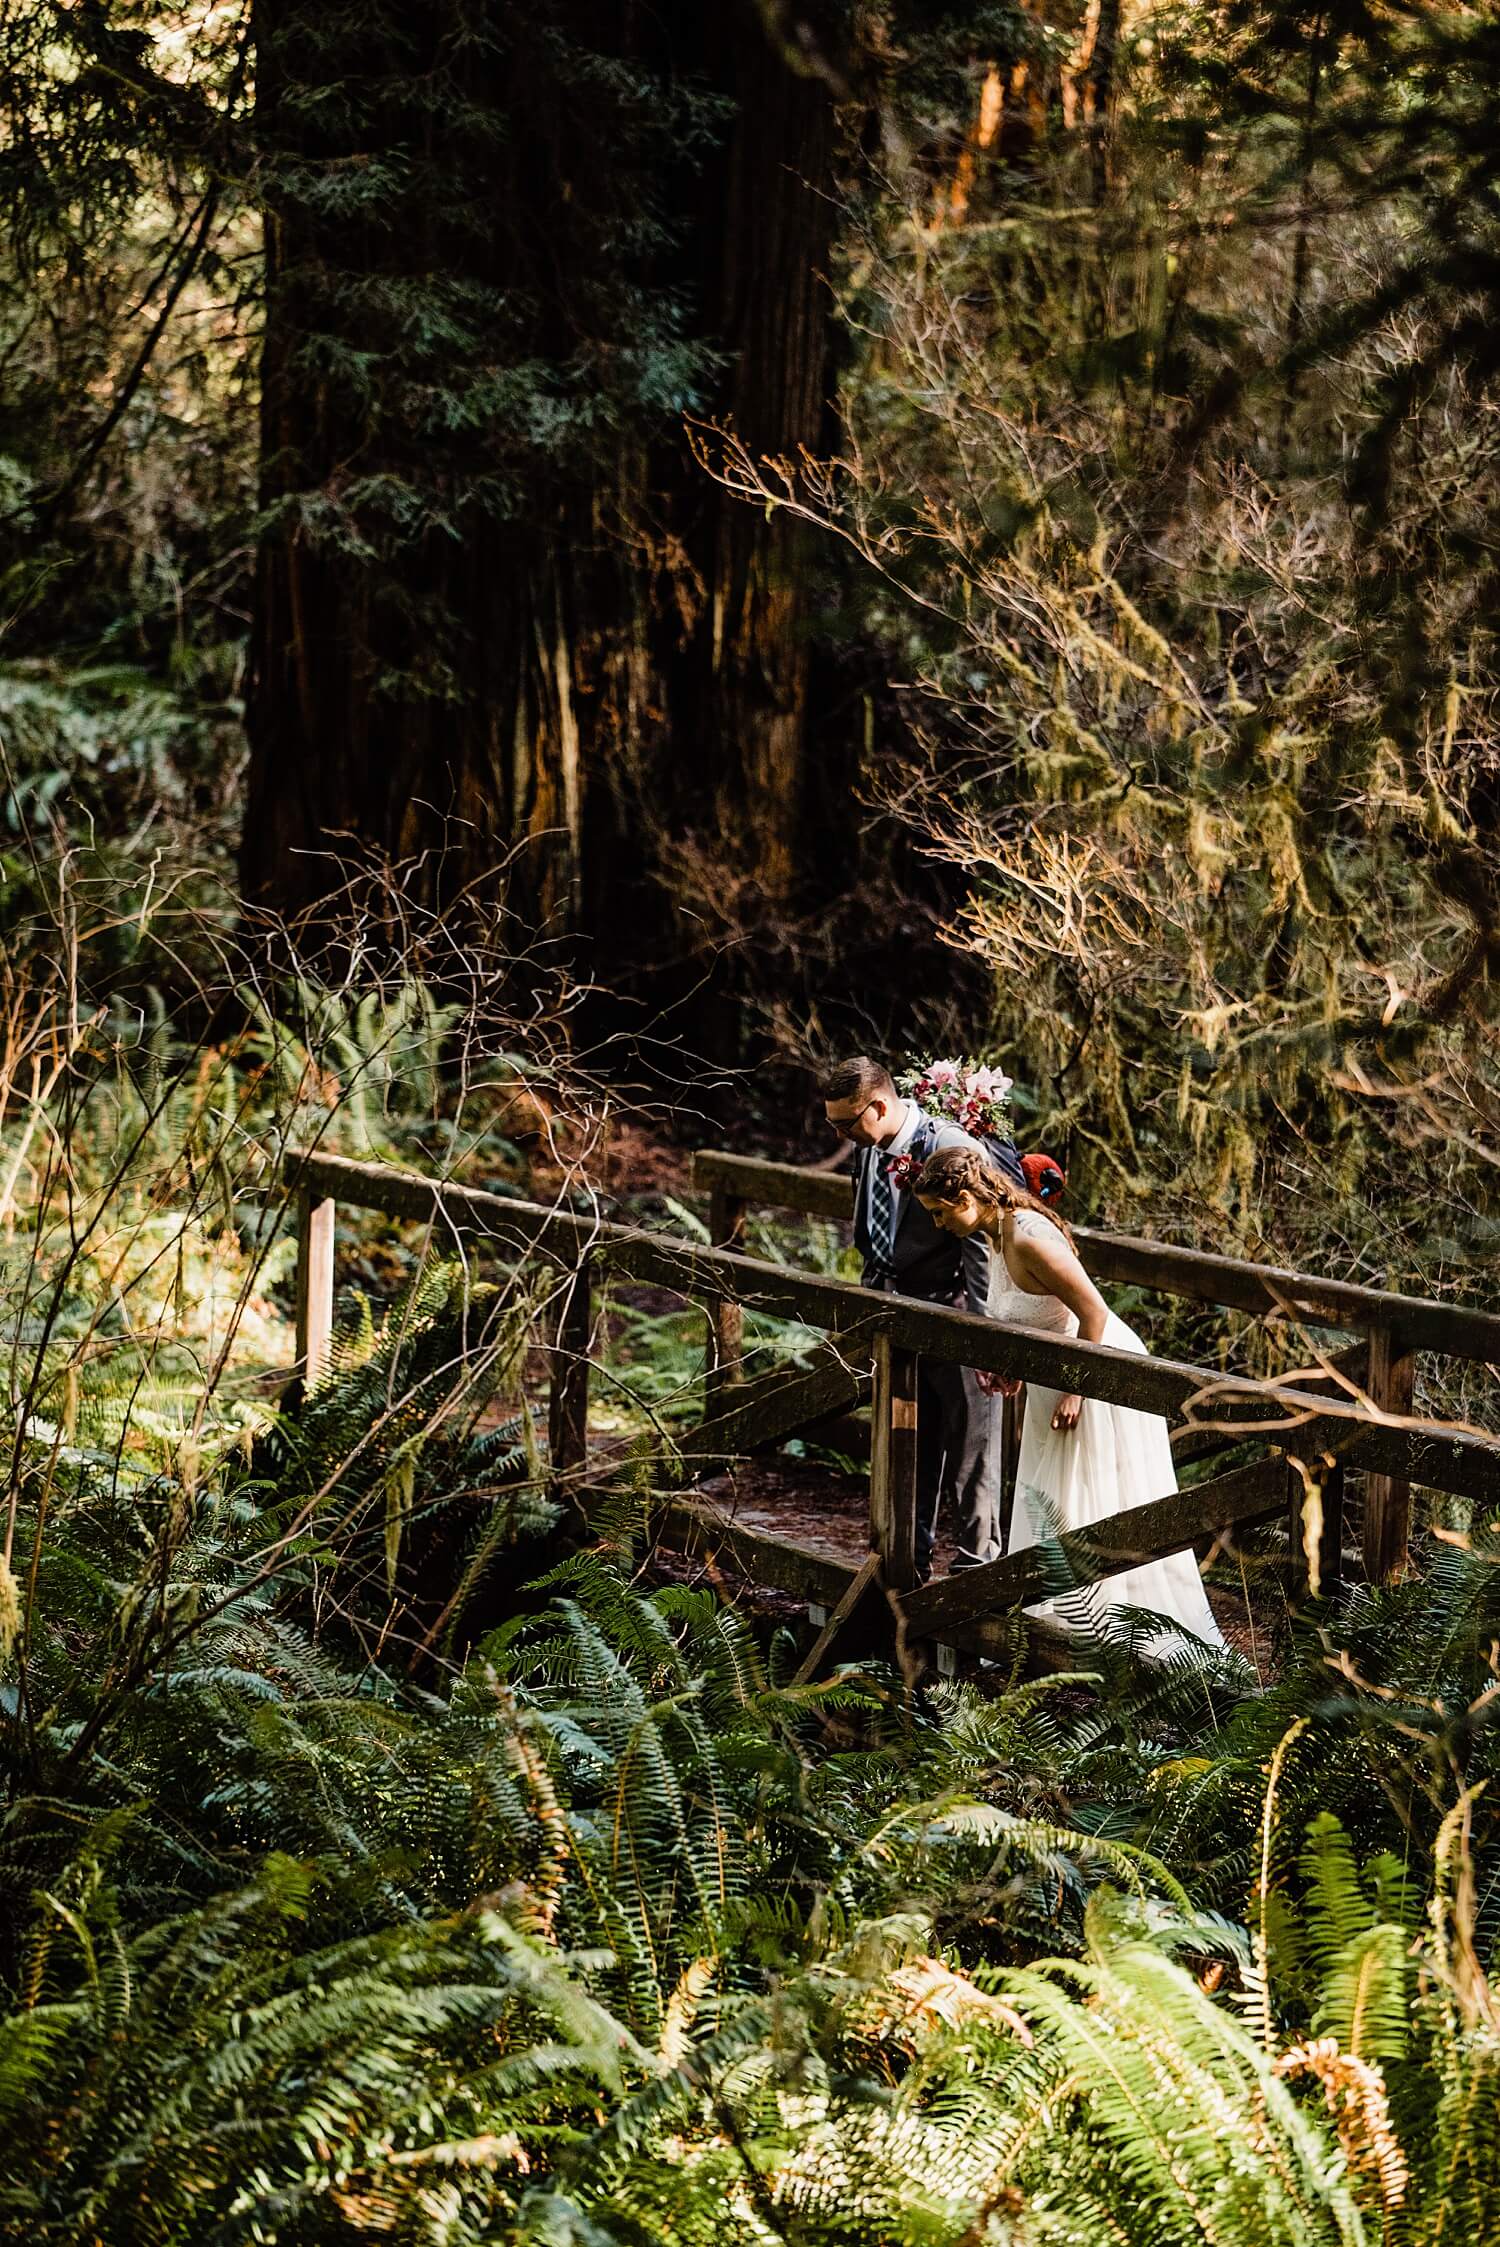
[773, 314]
[577, 697]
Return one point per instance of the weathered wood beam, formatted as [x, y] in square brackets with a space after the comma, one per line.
[1431, 1454]
[315, 1223]
[1440, 1457]
[865, 1579]
[696, 1527]
[893, 1463]
[1386, 1529]
[1127, 1540]
[813, 1193]
[726, 1318]
[757, 1414]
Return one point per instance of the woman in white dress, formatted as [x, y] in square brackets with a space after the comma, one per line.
[1080, 1460]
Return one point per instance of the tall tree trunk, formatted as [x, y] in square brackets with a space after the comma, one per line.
[774, 317]
[1099, 91]
[393, 667]
[570, 694]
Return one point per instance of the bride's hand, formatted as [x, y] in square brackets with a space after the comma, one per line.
[998, 1384]
[1065, 1416]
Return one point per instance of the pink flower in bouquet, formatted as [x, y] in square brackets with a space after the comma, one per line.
[969, 1093]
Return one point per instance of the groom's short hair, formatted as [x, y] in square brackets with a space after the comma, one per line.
[858, 1078]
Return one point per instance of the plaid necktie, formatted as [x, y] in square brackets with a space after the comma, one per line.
[882, 1215]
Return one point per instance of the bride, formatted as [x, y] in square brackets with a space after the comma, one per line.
[1080, 1460]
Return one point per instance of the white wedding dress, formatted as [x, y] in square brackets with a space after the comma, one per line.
[1113, 1459]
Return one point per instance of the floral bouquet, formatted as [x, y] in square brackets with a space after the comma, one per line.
[965, 1092]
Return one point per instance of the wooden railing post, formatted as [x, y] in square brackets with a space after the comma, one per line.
[568, 1399]
[1316, 1484]
[314, 1287]
[893, 1463]
[1012, 1428]
[1390, 1384]
[726, 1319]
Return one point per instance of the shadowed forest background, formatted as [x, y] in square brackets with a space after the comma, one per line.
[561, 564]
[863, 525]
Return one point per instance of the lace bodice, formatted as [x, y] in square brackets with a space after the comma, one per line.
[1012, 1304]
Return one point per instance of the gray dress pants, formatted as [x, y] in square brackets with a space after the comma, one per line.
[959, 1459]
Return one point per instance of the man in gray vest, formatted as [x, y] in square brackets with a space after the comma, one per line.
[905, 1253]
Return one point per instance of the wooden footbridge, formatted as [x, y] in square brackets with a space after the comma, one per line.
[1304, 1437]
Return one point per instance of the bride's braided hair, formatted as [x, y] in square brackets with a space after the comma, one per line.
[965, 1170]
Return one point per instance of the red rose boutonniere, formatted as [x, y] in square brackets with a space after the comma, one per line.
[903, 1171]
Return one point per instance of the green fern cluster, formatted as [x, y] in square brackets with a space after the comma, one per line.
[625, 1939]
[616, 1935]
[404, 1448]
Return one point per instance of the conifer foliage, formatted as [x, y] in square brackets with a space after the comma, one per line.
[1172, 491]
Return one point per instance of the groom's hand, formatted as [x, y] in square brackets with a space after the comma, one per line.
[998, 1385]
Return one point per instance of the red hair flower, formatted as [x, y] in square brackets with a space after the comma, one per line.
[1044, 1176]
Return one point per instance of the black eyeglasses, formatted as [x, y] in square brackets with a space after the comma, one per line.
[844, 1125]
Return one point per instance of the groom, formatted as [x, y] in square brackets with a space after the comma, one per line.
[905, 1253]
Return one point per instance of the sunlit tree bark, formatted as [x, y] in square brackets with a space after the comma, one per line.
[583, 661]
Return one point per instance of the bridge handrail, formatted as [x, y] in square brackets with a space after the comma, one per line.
[1443, 1457]
[1313, 1434]
[1455, 1330]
